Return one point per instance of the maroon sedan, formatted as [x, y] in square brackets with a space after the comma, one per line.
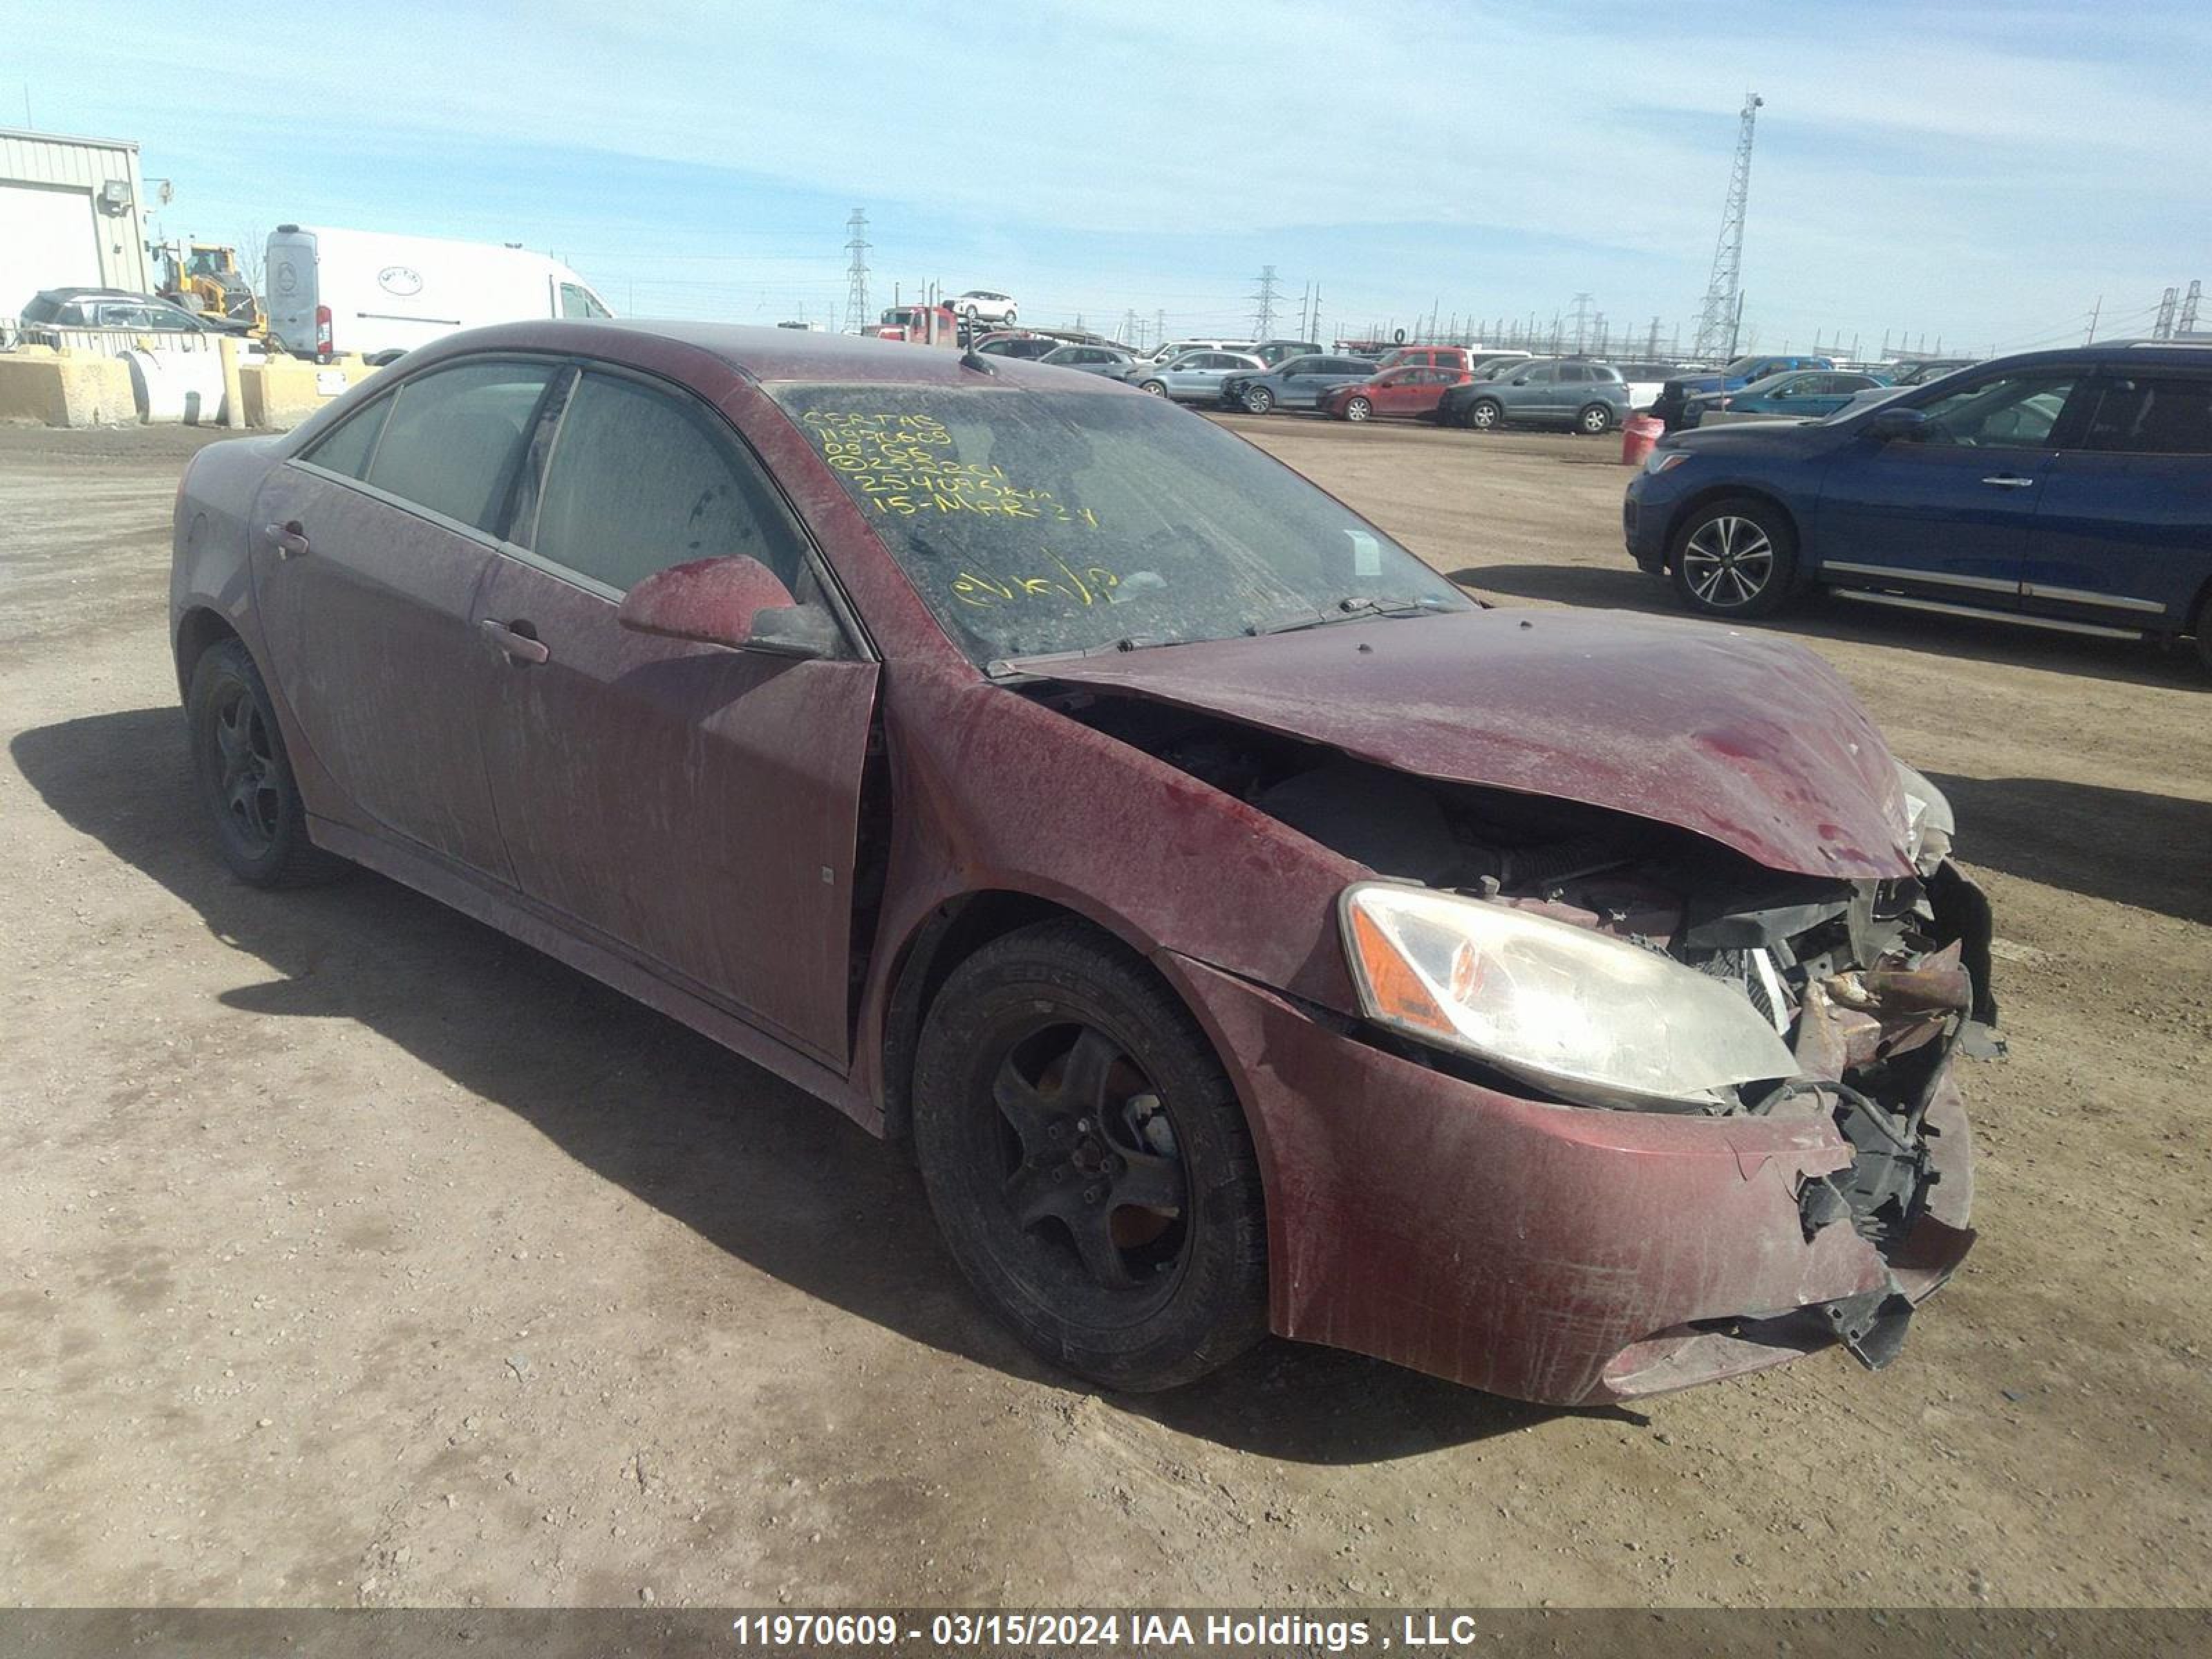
[1248, 931]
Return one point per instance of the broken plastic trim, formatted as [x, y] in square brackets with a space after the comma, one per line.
[1870, 1325]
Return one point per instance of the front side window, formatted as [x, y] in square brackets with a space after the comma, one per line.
[2150, 414]
[2016, 411]
[453, 438]
[577, 301]
[1035, 521]
[639, 480]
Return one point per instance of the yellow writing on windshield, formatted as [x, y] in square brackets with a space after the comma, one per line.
[1091, 584]
[903, 465]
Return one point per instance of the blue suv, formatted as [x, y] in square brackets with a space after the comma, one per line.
[2066, 489]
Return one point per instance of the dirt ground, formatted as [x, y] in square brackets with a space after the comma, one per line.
[351, 1254]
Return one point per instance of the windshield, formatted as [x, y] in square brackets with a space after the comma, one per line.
[1037, 522]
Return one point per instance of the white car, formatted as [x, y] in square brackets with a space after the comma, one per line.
[982, 306]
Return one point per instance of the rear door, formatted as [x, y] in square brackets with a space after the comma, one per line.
[384, 529]
[694, 806]
[291, 283]
[2123, 534]
[1948, 513]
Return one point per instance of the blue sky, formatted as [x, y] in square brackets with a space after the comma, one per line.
[1980, 171]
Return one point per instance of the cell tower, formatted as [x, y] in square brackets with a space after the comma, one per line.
[1263, 320]
[1718, 318]
[856, 289]
[2187, 324]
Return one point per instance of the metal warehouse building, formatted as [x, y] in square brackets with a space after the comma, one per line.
[68, 215]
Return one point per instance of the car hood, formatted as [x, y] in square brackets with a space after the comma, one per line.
[1744, 739]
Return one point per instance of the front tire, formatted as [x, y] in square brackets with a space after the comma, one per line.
[1358, 408]
[1158, 388]
[1087, 1161]
[1258, 400]
[1595, 420]
[244, 776]
[1735, 557]
[1484, 415]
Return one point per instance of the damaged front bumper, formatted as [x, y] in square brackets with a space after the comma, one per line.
[1566, 1254]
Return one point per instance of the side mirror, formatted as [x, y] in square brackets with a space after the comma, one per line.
[1889, 423]
[734, 602]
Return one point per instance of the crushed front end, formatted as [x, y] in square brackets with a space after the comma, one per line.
[1622, 1111]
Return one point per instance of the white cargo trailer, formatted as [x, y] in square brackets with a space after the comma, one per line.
[333, 291]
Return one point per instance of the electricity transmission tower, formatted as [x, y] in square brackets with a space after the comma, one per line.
[856, 289]
[1723, 310]
[2187, 322]
[2161, 327]
[1129, 327]
[1582, 319]
[1263, 320]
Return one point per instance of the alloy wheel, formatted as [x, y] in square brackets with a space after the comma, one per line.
[1728, 562]
[1357, 409]
[1091, 1179]
[248, 784]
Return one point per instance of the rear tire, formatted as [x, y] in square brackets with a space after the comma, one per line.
[244, 776]
[1735, 557]
[1088, 1163]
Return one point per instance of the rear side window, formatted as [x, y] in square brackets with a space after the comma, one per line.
[641, 480]
[2153, 416]
[43, 308]
[453, 439]
[349, 449]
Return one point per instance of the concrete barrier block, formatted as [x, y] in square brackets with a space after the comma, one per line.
[66, 388]
[282, 393]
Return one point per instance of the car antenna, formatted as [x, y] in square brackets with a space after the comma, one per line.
[968, 359]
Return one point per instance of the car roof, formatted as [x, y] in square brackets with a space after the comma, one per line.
[769, 355]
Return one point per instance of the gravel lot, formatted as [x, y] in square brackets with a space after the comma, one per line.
[352, 1254]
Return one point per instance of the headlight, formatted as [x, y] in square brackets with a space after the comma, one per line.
[1659, 461]
[1929, 824]
[1587, 1016]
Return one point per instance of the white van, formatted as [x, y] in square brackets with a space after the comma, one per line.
[333, 291]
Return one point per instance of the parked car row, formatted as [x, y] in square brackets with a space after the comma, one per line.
[2065, 490]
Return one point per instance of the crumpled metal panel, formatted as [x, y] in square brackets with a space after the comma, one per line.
[1521, 1247]
[1747, 739]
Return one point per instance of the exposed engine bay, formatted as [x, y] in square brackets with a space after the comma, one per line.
[1870, 985]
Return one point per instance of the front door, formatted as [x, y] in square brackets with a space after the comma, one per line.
[1948, 509]
[695, 805]
[383, 532]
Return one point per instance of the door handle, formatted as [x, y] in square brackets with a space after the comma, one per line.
[290, 540]
[2010, 480]
[514, 645]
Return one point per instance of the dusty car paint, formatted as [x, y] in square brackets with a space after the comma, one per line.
[1553, 1252]
[1743, 737]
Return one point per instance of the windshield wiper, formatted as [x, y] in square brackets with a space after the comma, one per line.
[1353, 609]
[1004, 666]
